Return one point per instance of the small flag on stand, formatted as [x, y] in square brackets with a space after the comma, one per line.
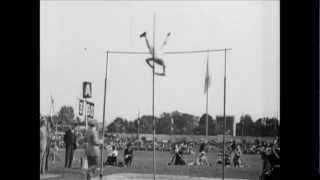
[207, 80]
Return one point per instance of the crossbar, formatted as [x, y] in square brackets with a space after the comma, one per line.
[127, 52]
[199, 51]
[171, 52]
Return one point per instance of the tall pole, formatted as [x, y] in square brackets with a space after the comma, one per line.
[103, 118]
[154, 122]
[224, 112]
[85, 102]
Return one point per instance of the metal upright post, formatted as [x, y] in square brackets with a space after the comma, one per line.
[224, 112]
[103, 118]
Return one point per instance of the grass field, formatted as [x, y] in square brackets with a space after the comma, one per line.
[142, 163]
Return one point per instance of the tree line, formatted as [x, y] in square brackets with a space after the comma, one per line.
[184, 123]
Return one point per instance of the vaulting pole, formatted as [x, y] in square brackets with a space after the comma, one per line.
[103, 118]
[154, 121]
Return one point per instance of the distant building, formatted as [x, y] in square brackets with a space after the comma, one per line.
[229, 129]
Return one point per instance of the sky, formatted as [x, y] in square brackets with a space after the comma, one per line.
[250, 28]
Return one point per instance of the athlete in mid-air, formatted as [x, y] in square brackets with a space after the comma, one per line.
[158, 55]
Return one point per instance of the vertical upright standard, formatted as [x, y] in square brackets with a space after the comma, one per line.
[103, 118]
[224, 112]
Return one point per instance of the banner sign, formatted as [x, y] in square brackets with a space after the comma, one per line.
[87, 89]
[81, 104]
[90, 109]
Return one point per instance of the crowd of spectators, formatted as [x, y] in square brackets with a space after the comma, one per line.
[269, 151]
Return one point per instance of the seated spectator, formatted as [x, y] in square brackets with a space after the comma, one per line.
[179, 158]
[128, 155]
[175, 151]
[112, 157]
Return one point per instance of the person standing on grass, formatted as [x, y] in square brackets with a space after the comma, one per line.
[43, 145]
[92, 149]
[202, 154]
[236, 157]
[128, 155]
[50, 135]
[70, 141]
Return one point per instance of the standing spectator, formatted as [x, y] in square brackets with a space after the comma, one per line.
[50, 135]
[233, 148]
[92, 150]
[128, 155]
[202, 154]
[236, 157]
[275, 159]
[70, 141]
[43, 145]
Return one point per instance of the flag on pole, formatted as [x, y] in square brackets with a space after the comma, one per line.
[81, 107]
[52, 100]
[207, 80]
[172, 124]
[138, 123]
[51, 105]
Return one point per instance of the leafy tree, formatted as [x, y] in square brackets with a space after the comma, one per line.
[267, 127]
[183, 123]
[261, 127]
[131, 127]
[163, 125]
[248, 125]
[117, 125]
[201, 129]
[66, 115]
[146, 123]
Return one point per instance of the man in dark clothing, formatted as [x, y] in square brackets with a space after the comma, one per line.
[271, 162]
[70, 144]
[202, 146]
[128, 155]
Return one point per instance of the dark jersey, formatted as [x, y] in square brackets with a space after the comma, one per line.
[128, 151]
[202, 147]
